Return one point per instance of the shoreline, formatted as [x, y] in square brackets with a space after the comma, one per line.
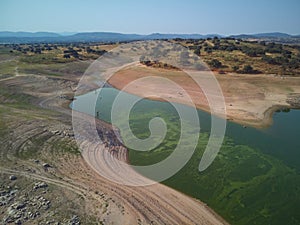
[264, 123]
[125, 158]
[120, 155]
[252, 101]
[50, 118]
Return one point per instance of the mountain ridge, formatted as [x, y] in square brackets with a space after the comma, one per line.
[28, 34]
[30, 37]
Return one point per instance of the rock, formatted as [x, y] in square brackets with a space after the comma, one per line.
[18, 205]
[74, 220]
[294, 100]
[12, 177]
[18, 215]
[13, 192]
[46, 165]
[39, 185]
[21, 205]
[11, 211]
[3, 193]
[8, 220]
[56, 132]
[30, 214]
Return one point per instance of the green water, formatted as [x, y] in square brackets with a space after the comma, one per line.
[255, 177]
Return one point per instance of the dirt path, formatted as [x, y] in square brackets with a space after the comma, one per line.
[56, 182]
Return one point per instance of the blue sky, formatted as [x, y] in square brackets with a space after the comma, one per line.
[149, 16]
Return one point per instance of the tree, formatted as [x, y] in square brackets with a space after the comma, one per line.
[75, 54]
[66, 56]
[208, 49]
[216, 40]
[38, 51]
[215, 63]
[263, 43]
[252, 52]
[274, 48]
[294, 64]
[248, 69]
[278, 60]
[198, 50]
[235, 68]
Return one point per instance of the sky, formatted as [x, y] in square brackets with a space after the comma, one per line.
[152, 16]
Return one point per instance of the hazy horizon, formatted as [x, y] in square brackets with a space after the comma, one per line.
[138, 17]
[66, 33]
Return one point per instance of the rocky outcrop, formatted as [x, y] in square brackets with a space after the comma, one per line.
[294, 100]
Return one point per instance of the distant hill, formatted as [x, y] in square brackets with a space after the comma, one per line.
[182, 36]
[29, 37]
[273, 35]
[22, 34]
[264, 35]
[104, 36]
[242, 36]
[110, 36]
[67, 33]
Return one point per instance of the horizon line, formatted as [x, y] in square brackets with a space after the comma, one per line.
[132, 33]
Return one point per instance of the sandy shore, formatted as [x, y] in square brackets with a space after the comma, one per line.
[249, 99]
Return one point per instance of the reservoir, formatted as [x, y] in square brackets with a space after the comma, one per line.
[255, 177]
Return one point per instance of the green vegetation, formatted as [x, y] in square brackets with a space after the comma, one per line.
[3, 126]
[55, 53]
[230, 54]
[215, 64]
[32, 147]
[11, 95]
[137, 123]
[63, 146]
[18, 106]
[49, 63]
[225, 54]
[47, 59]
[55, 69]
[8, 67]
[243, 185]
[248, 69]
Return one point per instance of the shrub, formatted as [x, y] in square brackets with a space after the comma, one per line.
[249, 69]
[215, 63]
